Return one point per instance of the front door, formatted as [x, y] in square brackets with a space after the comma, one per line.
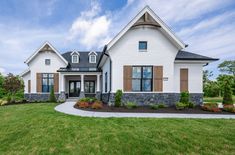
[74, 88]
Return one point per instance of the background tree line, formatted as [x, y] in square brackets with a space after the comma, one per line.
[215, 88]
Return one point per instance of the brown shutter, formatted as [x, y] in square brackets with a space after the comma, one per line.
[56, 82]
[158, 78]
[39, 82]
[29, 86]
[183, 79]
[127, 78]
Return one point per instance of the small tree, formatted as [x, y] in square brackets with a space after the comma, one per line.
[52, 95]
[12, 84]
[227, 98]
[184, 97]
[118, 98]
[1, 85]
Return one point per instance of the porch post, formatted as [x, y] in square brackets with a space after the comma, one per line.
[62, 96]
[82, 86]
[62, 82]
[98, 86]
[98, 83]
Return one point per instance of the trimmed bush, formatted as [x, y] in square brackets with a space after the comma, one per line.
[52, 95]
[227, 98]
[181, 106]
[131, 105]
[118, 98]
[229, 108]
[97, 105]
[154, 106]
[162, 105]
[213, 107]
[191, 105]
[82, 104]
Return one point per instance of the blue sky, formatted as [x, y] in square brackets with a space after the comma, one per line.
[207, 26]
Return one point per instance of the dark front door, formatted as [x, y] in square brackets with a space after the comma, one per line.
[74, 88]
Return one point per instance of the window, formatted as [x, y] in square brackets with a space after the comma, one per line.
[47, 82]
[142, 78]
[47, 61]
[92, 59]
[106, 82]
[75, 59]
[89, 87]
[142, 45]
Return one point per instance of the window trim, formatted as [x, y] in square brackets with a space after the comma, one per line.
[47, 60]
[77, 58]
[142, 79]
[143, 50]
[47, 79]
[90, 58]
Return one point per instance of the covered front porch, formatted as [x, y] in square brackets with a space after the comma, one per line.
[78, 85]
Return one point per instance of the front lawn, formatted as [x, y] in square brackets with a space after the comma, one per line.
[215, 99]
[38, 129]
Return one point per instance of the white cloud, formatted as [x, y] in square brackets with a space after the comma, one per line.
[90, 29]
[2, 71]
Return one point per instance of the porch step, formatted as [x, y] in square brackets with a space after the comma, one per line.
[72, 99]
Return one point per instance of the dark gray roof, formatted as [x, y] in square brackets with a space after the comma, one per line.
[83, 64]
[183, 55]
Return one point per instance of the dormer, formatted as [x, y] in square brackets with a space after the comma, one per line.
[92, 57]
[75, 57]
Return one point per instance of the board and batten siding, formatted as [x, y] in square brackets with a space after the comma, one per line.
[157, 78]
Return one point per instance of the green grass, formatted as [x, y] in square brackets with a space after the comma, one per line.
[215, 99]
[38, 129]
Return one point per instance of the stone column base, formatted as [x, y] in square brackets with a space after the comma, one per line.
[82, 94]
[62, 97]
[98, 95]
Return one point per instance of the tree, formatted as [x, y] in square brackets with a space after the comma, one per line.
[222, 78]
[52, 95]
[12, 84]
[211, 89]
[1, 85]
[227, 67]
[227, 98]
[206, 75]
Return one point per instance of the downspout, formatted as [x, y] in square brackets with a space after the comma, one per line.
[110, 78]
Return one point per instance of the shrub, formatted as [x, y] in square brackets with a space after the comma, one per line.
[191, 105]
[97, 105]
[184, 97]
[154, 106]
[3, 102]
[213, 107]
[88, 99]
[180, 105]
[229, 108]
[161, 105]
[131, 105]
[52, 95]
[82, 104]
[118, 98]
[227, 98]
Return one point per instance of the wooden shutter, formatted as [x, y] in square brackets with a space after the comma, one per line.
[158, 78]
[183, 79]
[39, 82]
[56, 82]
[29, 86]
[127, 78]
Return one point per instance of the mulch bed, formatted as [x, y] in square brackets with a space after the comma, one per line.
[147, 109]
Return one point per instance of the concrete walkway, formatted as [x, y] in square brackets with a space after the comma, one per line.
[68, 108]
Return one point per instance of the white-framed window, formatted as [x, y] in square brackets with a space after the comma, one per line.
[75, 59]
[47, 62]
[92, 58]
[143, 45]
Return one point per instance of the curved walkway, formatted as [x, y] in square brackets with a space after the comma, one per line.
[68, 108]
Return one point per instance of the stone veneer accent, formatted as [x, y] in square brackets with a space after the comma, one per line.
[151, 98]
[39, 97]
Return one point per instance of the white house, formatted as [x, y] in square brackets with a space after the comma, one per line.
[146, 60]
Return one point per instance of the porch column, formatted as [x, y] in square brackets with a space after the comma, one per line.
[82, 86]
[62, 83]
[98, 83]
[62, 96]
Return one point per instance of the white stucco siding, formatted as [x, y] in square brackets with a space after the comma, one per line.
[25, 78]
[160, 52]
[106, 69]
[37, 65]
[195, 72]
